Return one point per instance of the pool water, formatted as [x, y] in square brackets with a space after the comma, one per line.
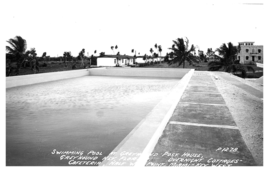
[90, 113]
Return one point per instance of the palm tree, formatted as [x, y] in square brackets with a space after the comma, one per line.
[182, 52]
[112, 49]
[81, 57]
[33, 60]
[203, 57]
[65, 55]
[155, 55]
[16, 52]
[102, 54]
[43, 56]
[226, 62]
[151, 51]
[145, 58]
[69, 56]
[160, 50]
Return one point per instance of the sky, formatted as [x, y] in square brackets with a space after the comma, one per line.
[55, 26]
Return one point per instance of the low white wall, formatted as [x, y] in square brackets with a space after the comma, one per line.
[140, 72]
[139, 60]
[106, 62]
[15, 81]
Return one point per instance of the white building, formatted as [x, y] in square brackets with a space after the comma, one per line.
[114, 60]
[250, 53]
[140, 60]
[148, 59]
[214, 57]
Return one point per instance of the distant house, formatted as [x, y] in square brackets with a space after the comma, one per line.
[141, 59]
[115, 60]
[148, 59]
[214, 58]
[250, 53]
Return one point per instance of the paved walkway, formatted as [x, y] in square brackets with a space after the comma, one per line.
[201, 131]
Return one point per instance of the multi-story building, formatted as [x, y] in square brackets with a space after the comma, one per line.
[250, 53]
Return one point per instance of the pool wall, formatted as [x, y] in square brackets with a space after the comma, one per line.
[16, 81]
[140, 72]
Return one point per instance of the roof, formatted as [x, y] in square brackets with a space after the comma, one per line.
[116, 56]
[124, 56]
[149, 56]
[246, 42]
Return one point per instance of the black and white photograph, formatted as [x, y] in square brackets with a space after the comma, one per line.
[133, 83]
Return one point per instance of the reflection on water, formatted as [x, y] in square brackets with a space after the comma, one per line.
[81, 114]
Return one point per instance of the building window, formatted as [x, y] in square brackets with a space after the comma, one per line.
[259, 57]
[247, 57]
[122, 60]
[259, 50]
[115, 61]
[247, 50]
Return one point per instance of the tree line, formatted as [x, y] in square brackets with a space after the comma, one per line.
[18, 56]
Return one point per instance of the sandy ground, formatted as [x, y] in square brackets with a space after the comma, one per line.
[247, 111]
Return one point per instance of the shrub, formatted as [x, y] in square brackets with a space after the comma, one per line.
[44, 65]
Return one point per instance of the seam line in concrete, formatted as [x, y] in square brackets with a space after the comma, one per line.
[188, 91]
[205, 125]
[203, 103]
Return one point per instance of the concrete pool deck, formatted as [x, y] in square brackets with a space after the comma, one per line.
[202, 130]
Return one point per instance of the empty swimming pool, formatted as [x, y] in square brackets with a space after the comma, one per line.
[90, 114]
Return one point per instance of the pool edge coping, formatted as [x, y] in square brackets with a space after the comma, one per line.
[154, 140]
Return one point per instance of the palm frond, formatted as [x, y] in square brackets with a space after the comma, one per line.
[191, 58]
[10, 50]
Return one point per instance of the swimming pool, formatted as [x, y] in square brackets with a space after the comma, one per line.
[88, 115]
